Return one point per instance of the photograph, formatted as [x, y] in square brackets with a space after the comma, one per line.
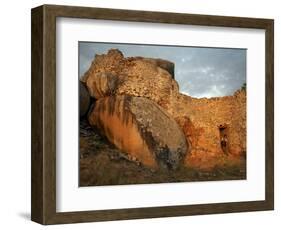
[149, 114]
[161, 114]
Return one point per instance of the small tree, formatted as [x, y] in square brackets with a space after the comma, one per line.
[243, 87]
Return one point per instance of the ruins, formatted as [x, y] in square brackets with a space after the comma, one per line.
[138, 107]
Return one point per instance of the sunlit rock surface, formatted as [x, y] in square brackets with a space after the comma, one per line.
[112, 73]
[141, 128]
[203, 121]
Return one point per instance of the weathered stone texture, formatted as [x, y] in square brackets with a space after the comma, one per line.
[200, 120]
[149, 82]
[111, 73]
[142, 129]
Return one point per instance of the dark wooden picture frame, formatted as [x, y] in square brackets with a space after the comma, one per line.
[43, 189]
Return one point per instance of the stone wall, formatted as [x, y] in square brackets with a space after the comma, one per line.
[202, 120]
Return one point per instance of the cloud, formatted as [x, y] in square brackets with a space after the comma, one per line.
[200, 72]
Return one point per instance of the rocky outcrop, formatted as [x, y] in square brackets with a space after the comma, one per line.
[110, 63]
[164, 64]
[141, 128]
[111, 74]
[150, 82]
[102, 84]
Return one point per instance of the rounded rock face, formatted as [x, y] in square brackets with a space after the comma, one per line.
[102, 84]
[160, 131]
[112, 74]
[164, 64]
[141, 128]
[84, 100]
[143, 78]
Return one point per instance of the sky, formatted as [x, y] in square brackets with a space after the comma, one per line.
[200, 71]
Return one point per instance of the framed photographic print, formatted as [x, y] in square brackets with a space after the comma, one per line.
[141, 114]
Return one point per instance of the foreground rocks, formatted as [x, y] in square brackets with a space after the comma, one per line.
[141, 128]
[101, 163]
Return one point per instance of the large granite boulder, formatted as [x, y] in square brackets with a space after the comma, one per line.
[102, 84]
[164, 64]
[112, 74]
[143, 78]
[141, 128]
[110, 63]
